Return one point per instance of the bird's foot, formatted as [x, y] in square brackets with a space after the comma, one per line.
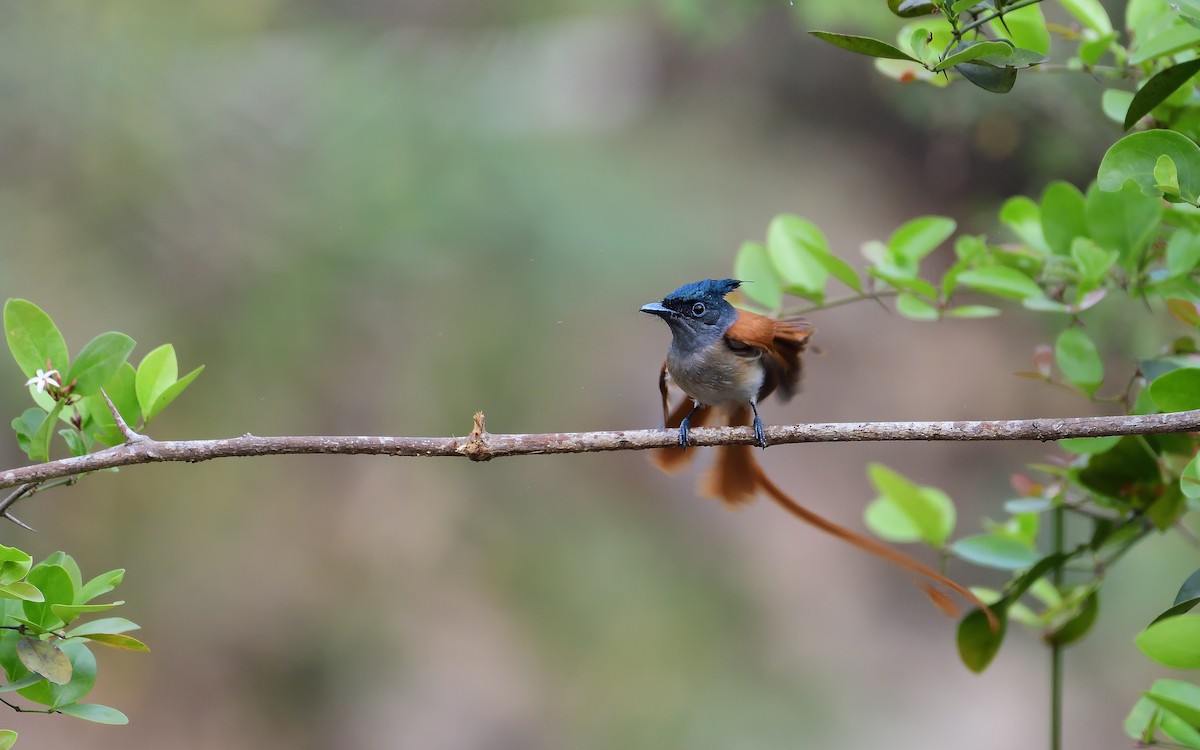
[760, 435]
[684, 440]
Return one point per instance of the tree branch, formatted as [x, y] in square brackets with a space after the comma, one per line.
[482, 446]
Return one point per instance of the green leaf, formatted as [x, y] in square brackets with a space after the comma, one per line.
[1079, 361]
[1134, 157]
[55, 584]
[39, 444]
[928, 509]
[887, 520]
[1183, 253]
[1124, 220]
[972, 50]
[1026, 27]
[158, 370]
[1088, 446]
[1092, 261]
[1158, 88]
[1078, 626]
[753, 265]
[788, 240]
[95, 712]
[68, 612]
[1090, 13]
[100, 585]
[99, 422]
[33, 338]
[1115, 103]
[21, 591]
[98, 362]
[1189, 480]
[67, 563]
[918, 44]
[992, 551]
[1181, 700]
[1166, 177]
[124, 642]
[977, 642]
[1174, 39]
[1128, 465]
[103, 625]
[8, 738]
[1091, 51]
[27, 427]
[1023, 217]
[863, 45]
[1063, 216]
[83, 677]
[1185, 704]
[918, 237]
[972, 311]
[1001, 281]
[45, 659]
[911, 8]
[14, 564]
[915, 308]
[1180, 608]
[1012, 57]
[1018, 587]
[75, 442]
[1022, 528]
[1189, 11]
[1190, 588]
[902, 280]
[1173, 642]
[1178, 390]
[838, 268]
[24, 682]
[1142, 722]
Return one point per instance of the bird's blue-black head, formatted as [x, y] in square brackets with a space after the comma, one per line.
[697, 313]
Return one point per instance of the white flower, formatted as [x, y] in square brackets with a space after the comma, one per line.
[44, 379]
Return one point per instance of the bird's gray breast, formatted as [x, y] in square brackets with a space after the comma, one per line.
[717, 376]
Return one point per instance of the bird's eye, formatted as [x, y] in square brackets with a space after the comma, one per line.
[697, 309]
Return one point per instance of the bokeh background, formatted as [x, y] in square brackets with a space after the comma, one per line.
[376, 217]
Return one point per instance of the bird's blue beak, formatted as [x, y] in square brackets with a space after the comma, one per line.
[656, 308]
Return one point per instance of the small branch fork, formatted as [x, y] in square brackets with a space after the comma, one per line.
[480, 445]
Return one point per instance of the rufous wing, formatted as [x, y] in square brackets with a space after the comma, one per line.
[780, 343]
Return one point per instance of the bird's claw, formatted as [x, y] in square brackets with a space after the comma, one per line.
[684, 440]
[760, 435]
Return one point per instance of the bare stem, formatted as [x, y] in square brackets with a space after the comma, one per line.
[483, 446]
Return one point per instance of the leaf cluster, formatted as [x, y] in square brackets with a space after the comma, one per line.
[44, 646]
[71, 391]
[1133, 233]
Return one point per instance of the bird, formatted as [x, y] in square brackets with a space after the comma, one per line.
[727, 361]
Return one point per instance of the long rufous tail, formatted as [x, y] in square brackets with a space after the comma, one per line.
[736, 477]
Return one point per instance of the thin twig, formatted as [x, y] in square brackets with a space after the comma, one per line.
[878, 296]
[483, 446]
[994, 16]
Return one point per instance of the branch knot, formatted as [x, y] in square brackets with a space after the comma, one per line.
[476, 448]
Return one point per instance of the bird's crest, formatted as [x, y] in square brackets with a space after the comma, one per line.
[707, 289]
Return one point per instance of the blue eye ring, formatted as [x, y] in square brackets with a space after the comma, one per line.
[698, 309]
